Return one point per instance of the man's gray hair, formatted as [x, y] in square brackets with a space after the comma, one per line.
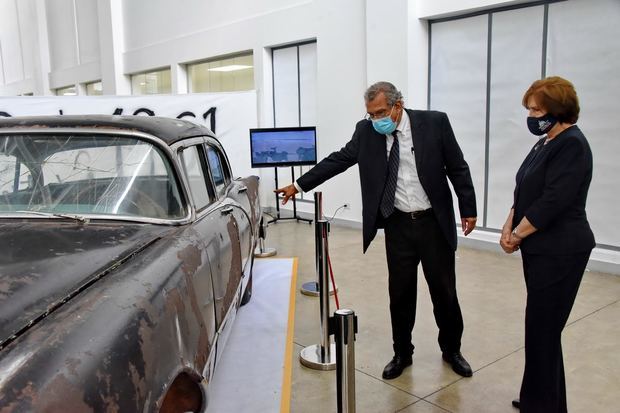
[392, 94]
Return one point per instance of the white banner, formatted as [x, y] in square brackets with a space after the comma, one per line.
[229, 115]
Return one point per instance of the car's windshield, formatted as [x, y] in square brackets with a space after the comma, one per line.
[84, 175]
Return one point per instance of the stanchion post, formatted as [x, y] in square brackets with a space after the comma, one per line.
[345, 328]
[318, 215]
[261, 251]
[324, 288]
[321, 356]
[311, 288]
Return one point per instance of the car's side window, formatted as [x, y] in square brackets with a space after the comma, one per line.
[193, 164]
[218, 168]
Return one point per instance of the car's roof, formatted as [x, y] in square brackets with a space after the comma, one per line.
[168, 129]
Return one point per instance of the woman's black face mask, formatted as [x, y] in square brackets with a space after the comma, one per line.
[541, 125]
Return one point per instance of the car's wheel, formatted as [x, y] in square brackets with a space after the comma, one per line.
[247, 295]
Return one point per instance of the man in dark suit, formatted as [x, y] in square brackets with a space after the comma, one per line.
[405, 159]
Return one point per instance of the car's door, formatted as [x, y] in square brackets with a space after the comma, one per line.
[205, 237]
[217, 225]
[235, 195]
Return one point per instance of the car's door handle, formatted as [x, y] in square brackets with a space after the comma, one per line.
[227, 210]
[242, 189]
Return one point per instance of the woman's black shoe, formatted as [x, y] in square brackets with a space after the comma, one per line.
[516, 403]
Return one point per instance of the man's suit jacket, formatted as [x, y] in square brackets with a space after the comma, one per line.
[437, 155]
[551, 191]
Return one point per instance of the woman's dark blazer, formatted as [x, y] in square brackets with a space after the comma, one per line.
[437, 156]
[551, 191]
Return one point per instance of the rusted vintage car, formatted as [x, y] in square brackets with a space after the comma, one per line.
[126, 248]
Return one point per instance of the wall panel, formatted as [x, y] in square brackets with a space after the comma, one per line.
[12, 60]
[575, 39]
[88, 30]
[458, 87]
[61, 32]
[307, 84]
[27, 17]
[583, 47]
[285, 87]
[516, 59]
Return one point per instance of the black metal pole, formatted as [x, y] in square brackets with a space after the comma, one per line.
[294, 202]
[275, 171]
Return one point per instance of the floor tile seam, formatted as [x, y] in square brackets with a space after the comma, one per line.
[441, 388]
[407, 406]
[510, 354]
[475, 371]
[388, 384]
[300, 344]
[521, 347]
[433, 404]
[592, 313]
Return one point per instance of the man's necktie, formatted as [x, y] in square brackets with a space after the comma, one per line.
[389, 193]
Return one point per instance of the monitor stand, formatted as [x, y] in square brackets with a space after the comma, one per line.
[295, 216]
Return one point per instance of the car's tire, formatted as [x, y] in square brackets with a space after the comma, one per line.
[247, 295]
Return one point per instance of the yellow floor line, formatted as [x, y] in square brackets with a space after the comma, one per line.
[285, 401]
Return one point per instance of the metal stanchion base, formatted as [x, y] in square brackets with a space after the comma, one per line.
[311, 288]
[265, 252]
[310, 357]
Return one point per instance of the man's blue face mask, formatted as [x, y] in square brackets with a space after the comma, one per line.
[384, 125]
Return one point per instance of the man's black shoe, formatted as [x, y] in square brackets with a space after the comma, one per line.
[395, 367]
[458, 363]
[516, 403]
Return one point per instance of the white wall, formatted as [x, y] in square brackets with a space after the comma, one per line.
[146, 18]
[16, 46]
[73, 32]
[144, 51]
[386, 43]
[341, 80]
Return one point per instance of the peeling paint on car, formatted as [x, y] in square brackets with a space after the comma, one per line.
[110, 312]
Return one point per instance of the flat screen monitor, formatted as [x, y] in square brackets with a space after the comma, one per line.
[283, 146]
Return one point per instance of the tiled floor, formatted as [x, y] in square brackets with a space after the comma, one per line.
[492, 296]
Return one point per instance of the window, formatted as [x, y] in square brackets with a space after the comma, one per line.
[122, 158]
[151, 83]
[14, 175]
[87, 174]
[222, 75]
[94, 89]
[218, 169]
[66, 91]
[193, 166]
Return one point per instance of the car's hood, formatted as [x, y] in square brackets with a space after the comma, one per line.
[44, 264]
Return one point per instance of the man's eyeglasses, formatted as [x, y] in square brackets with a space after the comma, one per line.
[379, 115]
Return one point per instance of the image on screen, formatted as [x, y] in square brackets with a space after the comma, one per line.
[283, 146]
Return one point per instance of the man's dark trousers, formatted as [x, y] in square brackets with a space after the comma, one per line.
[408, 242]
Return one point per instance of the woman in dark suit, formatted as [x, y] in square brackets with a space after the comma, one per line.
[548, 223]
